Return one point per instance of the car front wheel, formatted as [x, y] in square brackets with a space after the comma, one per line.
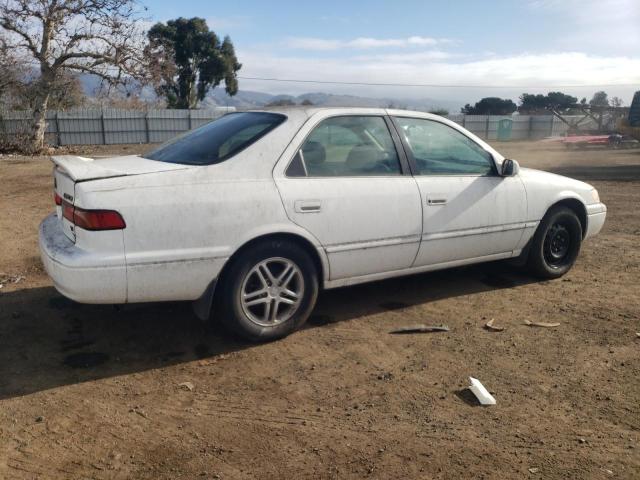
[556, 243]
[270, 290]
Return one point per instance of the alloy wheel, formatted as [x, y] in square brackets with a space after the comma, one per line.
[272, 291]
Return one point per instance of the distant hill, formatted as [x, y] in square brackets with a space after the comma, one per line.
[248, 99]
[245, 99]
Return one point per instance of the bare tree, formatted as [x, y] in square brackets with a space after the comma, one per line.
[66, 92]
[11, 73]
[616, 102]
[97, 37]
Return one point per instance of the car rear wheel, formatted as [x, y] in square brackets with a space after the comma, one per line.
[269, 291]
[556, 243]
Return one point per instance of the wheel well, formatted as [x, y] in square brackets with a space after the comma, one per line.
[578, 208]
[301, 241]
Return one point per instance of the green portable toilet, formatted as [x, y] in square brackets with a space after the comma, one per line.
[504, 129]
[634, 110]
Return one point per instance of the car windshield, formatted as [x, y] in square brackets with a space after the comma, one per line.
[218, 140]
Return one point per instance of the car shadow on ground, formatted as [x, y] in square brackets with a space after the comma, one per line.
[47, 341]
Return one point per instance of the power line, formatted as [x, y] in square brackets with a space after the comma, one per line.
[432, 85]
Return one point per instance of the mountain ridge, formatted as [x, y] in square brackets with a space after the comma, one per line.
[246, 99]
[250, 99]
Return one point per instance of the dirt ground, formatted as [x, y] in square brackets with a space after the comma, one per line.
[94, 391]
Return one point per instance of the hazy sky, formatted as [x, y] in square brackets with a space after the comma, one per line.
[512, 45]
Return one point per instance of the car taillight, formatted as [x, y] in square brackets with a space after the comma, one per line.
[93, 219]
[67, 211]
[57, 198]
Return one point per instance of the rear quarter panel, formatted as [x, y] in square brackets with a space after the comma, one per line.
[183, 226]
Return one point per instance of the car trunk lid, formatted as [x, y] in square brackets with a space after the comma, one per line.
[80, 169]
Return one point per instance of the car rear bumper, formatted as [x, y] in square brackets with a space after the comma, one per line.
[86, 277]
[596, 215]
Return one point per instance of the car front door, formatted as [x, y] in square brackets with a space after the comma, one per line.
[470, 211]
[347, 183]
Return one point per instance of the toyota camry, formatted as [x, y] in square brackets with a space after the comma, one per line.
[251, 215]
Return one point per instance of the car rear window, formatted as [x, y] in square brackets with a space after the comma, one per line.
[218, 140]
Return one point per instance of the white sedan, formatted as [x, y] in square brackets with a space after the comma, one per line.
[251, 214]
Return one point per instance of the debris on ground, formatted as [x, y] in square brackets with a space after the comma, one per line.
[541, 324]
[421, 329]
[490, 326]
[39, 419]
[481, 393]
[138, 411]
[187, 386]
[534, 470]
[6, 278]
[211, 361]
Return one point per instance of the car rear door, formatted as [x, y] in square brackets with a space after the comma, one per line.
[345, 180]
[470, 212]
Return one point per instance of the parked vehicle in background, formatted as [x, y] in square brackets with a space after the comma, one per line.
[613, 140]
[259, 210]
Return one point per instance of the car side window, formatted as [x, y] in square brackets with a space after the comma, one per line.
[439, 149]
[346, 147]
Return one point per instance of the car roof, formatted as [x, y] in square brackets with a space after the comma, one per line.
[310, 110]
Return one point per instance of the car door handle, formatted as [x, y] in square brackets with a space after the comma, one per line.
[436, 201]
[308, 206]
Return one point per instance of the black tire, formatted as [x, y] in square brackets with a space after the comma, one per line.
[237, 318]
[556, 244]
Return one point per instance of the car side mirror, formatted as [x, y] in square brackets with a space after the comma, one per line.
[509, 168]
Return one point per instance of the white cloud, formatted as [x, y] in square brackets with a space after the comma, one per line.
[361, 43]
[514, 74]
[422, 41]
[595, 24]
[402, 58]
[306, 43]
